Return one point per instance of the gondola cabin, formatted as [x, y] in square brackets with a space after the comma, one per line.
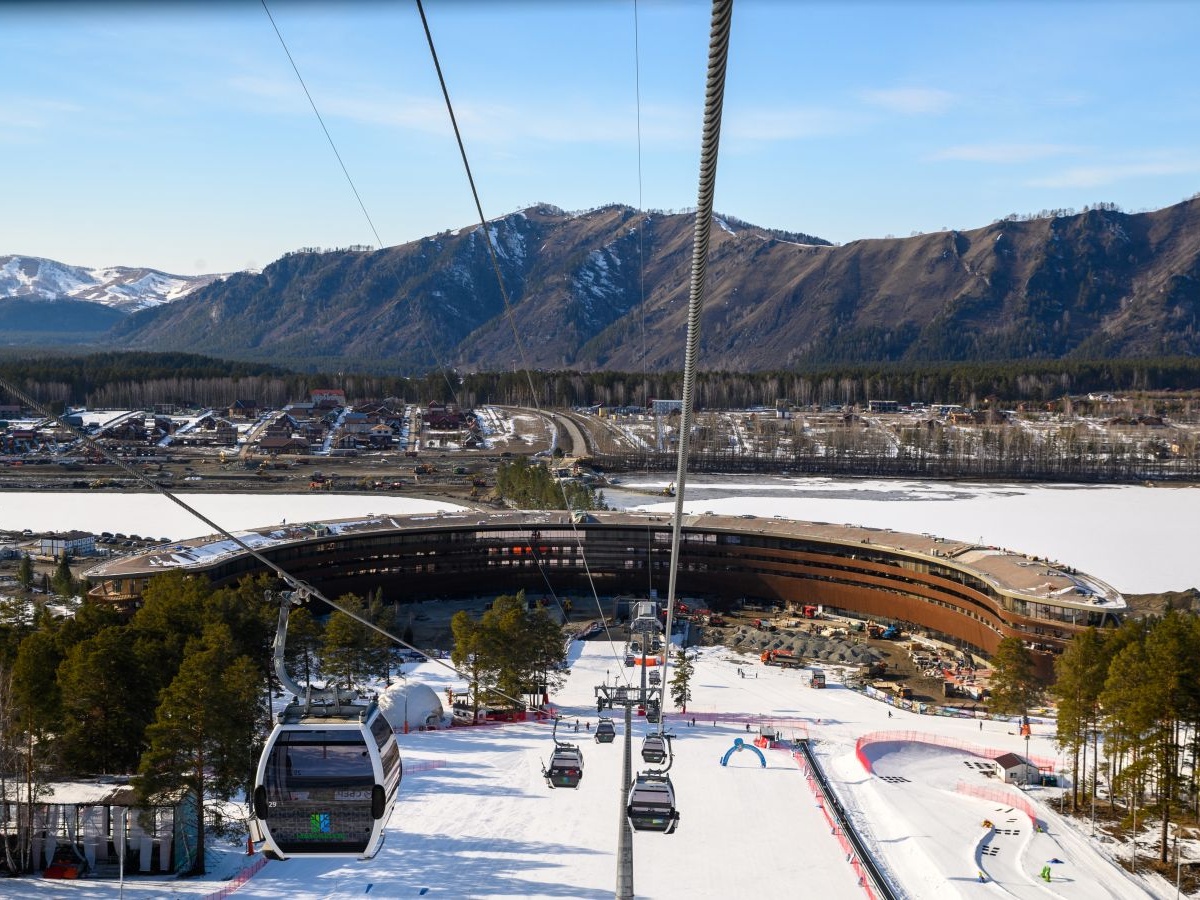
[327, 781]
[566, 767]
[651, 804]
[654, 748]
[606, 731]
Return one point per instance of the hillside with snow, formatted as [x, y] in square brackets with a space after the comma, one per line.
[124, 288]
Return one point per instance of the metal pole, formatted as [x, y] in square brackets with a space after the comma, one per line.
[624, 832]
[121, 851]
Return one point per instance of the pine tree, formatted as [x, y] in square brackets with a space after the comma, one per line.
[1080, 677]
[1128, 718]
[106, 706]
[1173, 663]
[345, 653]
[511, 648]
[1015, 687]
[304, 640]
[25, 571]
[63, 581]
[681, 681]
[204, 730]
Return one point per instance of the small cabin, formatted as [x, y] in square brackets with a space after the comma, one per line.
[1015, 769]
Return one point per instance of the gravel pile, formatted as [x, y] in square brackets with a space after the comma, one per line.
[810, 646]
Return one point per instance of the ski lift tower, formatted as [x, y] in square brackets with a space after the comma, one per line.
[644, 626]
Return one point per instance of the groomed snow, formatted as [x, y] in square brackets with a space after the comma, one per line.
[476, 819]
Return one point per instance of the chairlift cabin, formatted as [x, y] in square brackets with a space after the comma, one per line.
[651, 804]
[653, 712]
[327, 780]
[654, 677]
[606, 731]
[654, 748]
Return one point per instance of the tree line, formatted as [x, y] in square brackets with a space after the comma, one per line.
[1133, 694]
[143, 379]
[526, 485]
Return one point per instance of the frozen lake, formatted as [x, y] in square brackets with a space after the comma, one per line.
[1138, 539]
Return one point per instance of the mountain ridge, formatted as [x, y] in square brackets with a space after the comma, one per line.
[608, 289]
[124, 288]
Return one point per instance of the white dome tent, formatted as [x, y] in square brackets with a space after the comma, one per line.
[412, 706]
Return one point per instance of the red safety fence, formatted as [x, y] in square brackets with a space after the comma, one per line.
[918, 737]
[238, 880]
[423, 765]
[864, 880]
[998, 794]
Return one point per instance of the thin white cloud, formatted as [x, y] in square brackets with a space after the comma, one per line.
[33, 112]
[488, 122]
[1003, 153]
[789, 124]
[1112, 173]
[911, 101]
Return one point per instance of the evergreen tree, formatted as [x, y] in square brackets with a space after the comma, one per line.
[1015, 687]
[35, 683]
[25, 571]
[302, 651]
[63, 581]
[345, 653]
[511, 648]
[174, 609]
[681, 681]
[1080, 672]
[468, 654]
[1170, 692]
[106, 706]
[203, 738]
[381, 649]
[1129, 714]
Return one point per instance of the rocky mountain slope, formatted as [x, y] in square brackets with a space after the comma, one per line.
[608, 289]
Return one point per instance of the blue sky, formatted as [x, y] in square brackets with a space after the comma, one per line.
[178, 136]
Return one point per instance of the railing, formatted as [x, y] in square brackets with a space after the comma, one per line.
[870, 877]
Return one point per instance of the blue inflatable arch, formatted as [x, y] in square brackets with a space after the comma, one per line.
[738, 746]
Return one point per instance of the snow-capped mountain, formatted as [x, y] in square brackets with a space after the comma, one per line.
[124, 288]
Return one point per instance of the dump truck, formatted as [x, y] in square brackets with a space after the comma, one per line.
[817, 679]
[784, 658]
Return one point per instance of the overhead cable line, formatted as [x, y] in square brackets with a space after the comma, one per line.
[508, 310]
[714, 98]
[353, 188]
[328, 136]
